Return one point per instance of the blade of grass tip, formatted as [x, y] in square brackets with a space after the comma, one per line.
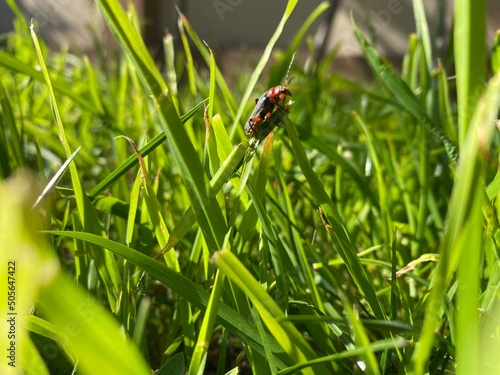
[261, 64]
[402, 93]
[273, 317]
[469, 37]
[224, 88]
[464, 203]
[189, 58]
[105, 263]
[206, 208]
[132, 160]
[213, 74]
[184, 287]
[338, 232]
[53, 182]
[171, 75]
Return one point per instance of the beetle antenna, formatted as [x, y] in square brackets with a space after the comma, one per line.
[289, 67]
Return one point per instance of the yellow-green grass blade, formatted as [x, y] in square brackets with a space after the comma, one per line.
[206, 208]
[197, 365]
[105, 263]
[462, 243]
[469, 37]
[402, 93]
[338, 231]
[273, 317]
[194, 294]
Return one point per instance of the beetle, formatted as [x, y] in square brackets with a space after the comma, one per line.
[265, 105]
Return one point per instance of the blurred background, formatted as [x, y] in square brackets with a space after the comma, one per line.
[237, 29]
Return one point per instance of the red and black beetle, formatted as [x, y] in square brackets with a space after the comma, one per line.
[266, 104]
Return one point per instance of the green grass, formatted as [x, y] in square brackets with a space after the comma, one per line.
[149, 233]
